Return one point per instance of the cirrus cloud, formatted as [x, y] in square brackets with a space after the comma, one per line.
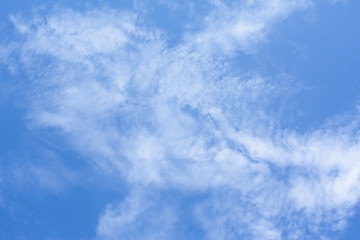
[179, 121]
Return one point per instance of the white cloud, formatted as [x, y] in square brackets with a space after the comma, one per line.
[140, 210]
[179, 119]
[241, 25]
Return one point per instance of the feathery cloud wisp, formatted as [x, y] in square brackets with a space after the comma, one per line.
[179, 120]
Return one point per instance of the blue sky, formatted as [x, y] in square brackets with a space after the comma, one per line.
[217, 119]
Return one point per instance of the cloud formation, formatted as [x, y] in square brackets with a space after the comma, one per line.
[198, 143]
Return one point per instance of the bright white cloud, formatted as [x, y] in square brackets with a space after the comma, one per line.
[178, 119]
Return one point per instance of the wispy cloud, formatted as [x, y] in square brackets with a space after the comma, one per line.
[181, 120]
[241, 25]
